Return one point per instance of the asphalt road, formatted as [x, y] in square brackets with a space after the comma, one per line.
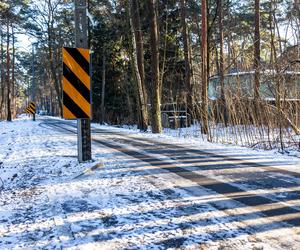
[262, 186]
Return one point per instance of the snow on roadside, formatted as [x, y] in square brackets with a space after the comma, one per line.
[49, 201]
[32, 160]
[186, 139]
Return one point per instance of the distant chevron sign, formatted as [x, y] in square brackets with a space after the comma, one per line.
[31, 109]
[76, 83]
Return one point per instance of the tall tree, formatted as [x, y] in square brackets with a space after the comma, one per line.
[102, 108]
[204, 68]
[2, 71]
[13, 80]
[11, 14]
[138, 62]
[221, 67]
[155, 79]
[8, 98]
[187, 59]
[50, 23]
[256, 50]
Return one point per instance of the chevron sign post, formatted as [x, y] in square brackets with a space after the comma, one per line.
[31, 109]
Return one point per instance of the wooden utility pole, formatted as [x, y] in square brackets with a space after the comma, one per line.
[81, 41]
[204, 69]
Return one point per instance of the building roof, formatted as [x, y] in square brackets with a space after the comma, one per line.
[264, 72]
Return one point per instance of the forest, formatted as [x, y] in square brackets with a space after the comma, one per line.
[229, 69]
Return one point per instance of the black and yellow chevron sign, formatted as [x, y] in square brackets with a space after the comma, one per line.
[76, 83]
[31, 108]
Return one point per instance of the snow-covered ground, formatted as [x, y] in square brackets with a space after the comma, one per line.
[50, 201]
[247, 136]
[193, 136]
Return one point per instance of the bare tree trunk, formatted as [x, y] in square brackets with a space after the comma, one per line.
[138, 64]
[229, 51]
[2, 74]
[217, 62]
[297, 8]
[51, 101]
[139, 45]
[8, 74]
[221, 67]
[278, 77]
[103, 87]
[277, 27]
[155, 88]
[164, 55]
[204, 68]
[187, 59]
[279, 95]
[56, 80]
[257, 53]
[13, 73]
